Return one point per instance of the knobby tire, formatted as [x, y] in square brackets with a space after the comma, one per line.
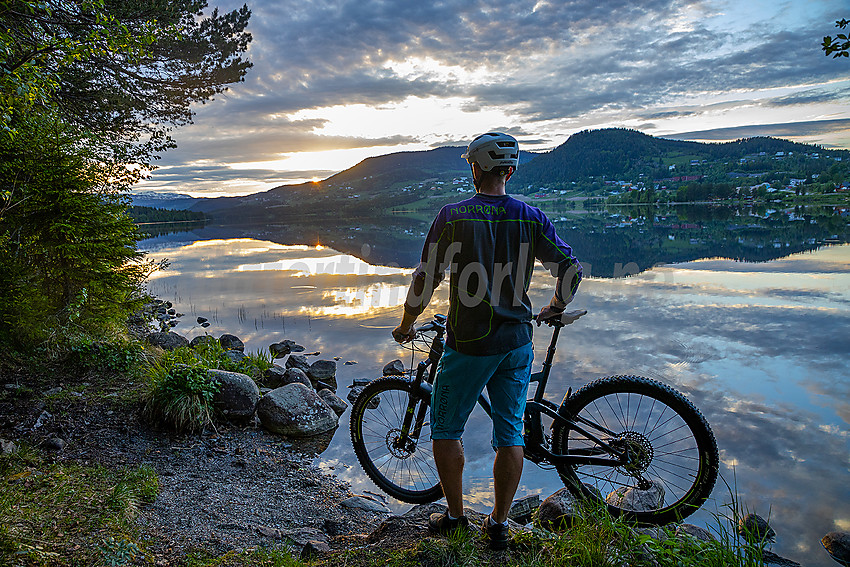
[408, 474]
[676, 448]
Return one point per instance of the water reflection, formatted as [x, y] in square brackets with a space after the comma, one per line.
[760, 348]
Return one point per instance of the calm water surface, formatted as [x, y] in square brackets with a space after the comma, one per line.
[761, 348]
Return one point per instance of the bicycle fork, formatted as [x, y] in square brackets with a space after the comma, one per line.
[420, 396]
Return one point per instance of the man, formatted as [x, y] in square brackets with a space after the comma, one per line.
[490, 242]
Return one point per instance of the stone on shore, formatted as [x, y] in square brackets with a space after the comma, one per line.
[837, 545]
[323, 371]
[637, 499]
[295, 410]
[557, 511]
[202, 340]
[394, 368]
[297, 361]
[334, 402]
[231, 342]
[238, 396]
[167, 340]
[755, 529]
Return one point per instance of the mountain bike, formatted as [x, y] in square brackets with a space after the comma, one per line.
[608, 441]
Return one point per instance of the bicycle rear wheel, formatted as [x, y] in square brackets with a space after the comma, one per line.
[674, 459]
[403, 467]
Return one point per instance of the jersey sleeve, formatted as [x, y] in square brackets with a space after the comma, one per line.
[557, 257]
[435, 259]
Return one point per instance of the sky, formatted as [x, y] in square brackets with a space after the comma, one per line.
[337, 81]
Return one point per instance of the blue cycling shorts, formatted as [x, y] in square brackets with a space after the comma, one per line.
[460, 380]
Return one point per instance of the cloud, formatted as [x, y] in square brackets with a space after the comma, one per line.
[549, 67]
[787, 130]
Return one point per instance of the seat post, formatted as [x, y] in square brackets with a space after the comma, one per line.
[547, 365]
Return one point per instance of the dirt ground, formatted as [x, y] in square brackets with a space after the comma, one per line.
[233, 488]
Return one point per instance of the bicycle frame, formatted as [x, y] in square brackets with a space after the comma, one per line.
[535, 441]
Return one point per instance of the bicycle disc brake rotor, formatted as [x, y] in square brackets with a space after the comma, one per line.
[395, 447]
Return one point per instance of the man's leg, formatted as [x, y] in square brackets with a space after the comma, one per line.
[507, 470]
[448, 455]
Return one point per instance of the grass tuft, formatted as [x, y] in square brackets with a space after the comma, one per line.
[65, 514]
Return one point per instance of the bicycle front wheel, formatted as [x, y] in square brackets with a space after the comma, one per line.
[400, 463]
[672, 454]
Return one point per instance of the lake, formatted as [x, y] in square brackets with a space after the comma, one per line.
[746, 312]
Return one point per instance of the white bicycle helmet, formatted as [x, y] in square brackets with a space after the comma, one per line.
[493, 149]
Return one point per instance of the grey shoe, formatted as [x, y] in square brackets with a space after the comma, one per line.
[497, 534]
[443, 525]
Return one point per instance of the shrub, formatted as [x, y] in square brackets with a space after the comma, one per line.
[181, 396]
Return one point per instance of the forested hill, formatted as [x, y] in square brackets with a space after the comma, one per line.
[618, 152]
[584, 163]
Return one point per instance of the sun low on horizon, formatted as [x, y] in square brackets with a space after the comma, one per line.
[335, 87]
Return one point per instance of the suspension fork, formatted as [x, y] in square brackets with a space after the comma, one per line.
[420, 393]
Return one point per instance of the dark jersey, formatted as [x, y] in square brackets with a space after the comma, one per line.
[490, 244]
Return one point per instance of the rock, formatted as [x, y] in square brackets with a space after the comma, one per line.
[54, 444]
[52, 391]
[205, 324]
[365, 503]
[324, 371]
[238, 396]
[202, 320]
[359, 382]
[334, 402]
[314, 549]
[696, 532]
[557, 511]
[295, 410]
[167, 340]
[355, 393]
[43, 418]
[837, 545]
[755, 529]
[303, 536]
[523, 508]
[273, 377]
[281, 349]
[773, 560]
[349, 362]
[394, 368]
[7, 447]
[202, 340]
[637, 499]
[296, 376]
[297, 361]
[236, 355]
[269, 532]
[231, 342]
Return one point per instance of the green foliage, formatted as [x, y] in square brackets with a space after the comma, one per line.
[123, 69]
[151, 214]
[119, 356]
[64, 514]
[118, 552]
[839, 46]
[69, 266]
[181, 395]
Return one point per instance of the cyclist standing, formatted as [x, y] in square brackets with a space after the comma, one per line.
[490, 242]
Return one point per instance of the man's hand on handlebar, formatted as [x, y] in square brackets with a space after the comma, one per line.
[550, 316]
[404, 333]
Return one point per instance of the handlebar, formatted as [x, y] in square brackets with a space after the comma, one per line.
[565, 318]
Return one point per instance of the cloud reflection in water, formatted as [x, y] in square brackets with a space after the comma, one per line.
[761, 349]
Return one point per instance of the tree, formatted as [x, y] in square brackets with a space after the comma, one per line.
[838, 46]
[123, 70]
[89, 90]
